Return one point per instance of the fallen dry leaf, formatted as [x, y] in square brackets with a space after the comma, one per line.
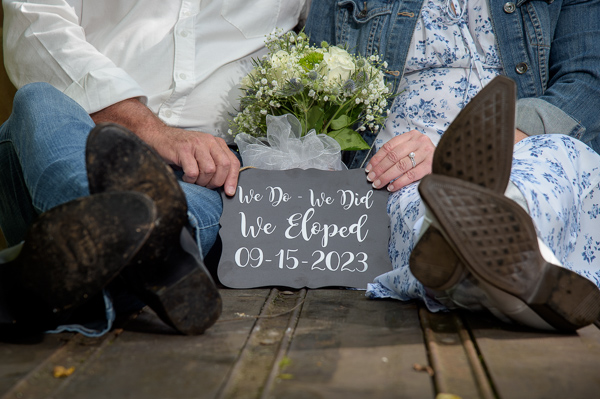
[420, 367]
[62, 372]
[447, 396]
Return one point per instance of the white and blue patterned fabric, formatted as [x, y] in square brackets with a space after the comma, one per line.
[453, 55]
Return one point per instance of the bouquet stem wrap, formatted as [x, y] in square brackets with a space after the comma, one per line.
[286, 148]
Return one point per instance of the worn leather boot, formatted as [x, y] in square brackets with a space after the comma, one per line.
[495, 239]
[69, 255]
[482, 247]
[164, 274]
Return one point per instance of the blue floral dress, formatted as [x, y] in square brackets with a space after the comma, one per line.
[453, 55]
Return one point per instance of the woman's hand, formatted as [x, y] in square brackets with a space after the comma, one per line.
[519, 135]
[403, 160]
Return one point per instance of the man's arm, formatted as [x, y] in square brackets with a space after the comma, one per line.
[43, 42]
[206, 160]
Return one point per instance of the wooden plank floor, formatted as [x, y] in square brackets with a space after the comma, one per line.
[272, 343]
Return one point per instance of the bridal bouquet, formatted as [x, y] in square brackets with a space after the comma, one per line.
[326, 88]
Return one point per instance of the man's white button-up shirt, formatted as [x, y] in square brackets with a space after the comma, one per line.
[184, 59]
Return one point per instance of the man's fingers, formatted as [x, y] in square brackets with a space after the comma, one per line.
[220, 166]
[190, 168]
[231, 179]
[206, 160]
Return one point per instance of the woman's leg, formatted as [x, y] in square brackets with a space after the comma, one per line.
[559, 178]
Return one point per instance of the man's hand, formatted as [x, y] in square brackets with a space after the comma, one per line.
[206, 160]
[392, 166]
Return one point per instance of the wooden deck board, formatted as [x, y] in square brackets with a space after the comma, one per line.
[18, 360]
[274, 343]
[527, 364]
[453, 357]
[349, 347]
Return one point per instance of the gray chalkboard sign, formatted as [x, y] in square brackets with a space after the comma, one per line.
[303, 228]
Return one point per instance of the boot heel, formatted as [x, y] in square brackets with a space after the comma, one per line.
[182, 293]
[189, 305]
[565, 299]
[434, 263]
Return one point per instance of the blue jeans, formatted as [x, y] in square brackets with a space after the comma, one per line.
[42, 165]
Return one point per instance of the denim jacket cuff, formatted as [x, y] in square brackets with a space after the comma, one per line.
[536, 116]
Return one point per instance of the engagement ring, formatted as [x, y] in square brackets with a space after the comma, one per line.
[412, 159]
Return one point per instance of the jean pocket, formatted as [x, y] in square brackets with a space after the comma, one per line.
[253, 18]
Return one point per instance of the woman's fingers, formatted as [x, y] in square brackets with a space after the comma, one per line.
[402, 160]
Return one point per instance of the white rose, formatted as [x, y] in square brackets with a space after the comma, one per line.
[340, 64]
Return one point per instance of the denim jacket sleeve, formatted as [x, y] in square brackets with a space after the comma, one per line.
[552, 50]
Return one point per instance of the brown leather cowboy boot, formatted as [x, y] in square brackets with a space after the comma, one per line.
[70, 254]
[164, 274]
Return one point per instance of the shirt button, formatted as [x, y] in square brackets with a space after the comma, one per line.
[183, 76]
[184, 33]
[167, 113]
[509, 7]
[521, 68]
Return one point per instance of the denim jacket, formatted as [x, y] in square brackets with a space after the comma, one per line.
[550, 48]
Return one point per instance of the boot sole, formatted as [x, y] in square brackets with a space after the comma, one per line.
[477, 147]
[74, 250]
[497, 242]
[118, 160]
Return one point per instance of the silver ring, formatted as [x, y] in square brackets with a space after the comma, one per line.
[412, 159]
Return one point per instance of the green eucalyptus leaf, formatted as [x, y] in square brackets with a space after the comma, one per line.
[315, 118]
[349, 140]
[340, 123]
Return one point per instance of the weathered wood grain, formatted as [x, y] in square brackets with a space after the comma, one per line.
[454, 359]
[346, 346]
[148, 360]
[523, 363]
[329, 343]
